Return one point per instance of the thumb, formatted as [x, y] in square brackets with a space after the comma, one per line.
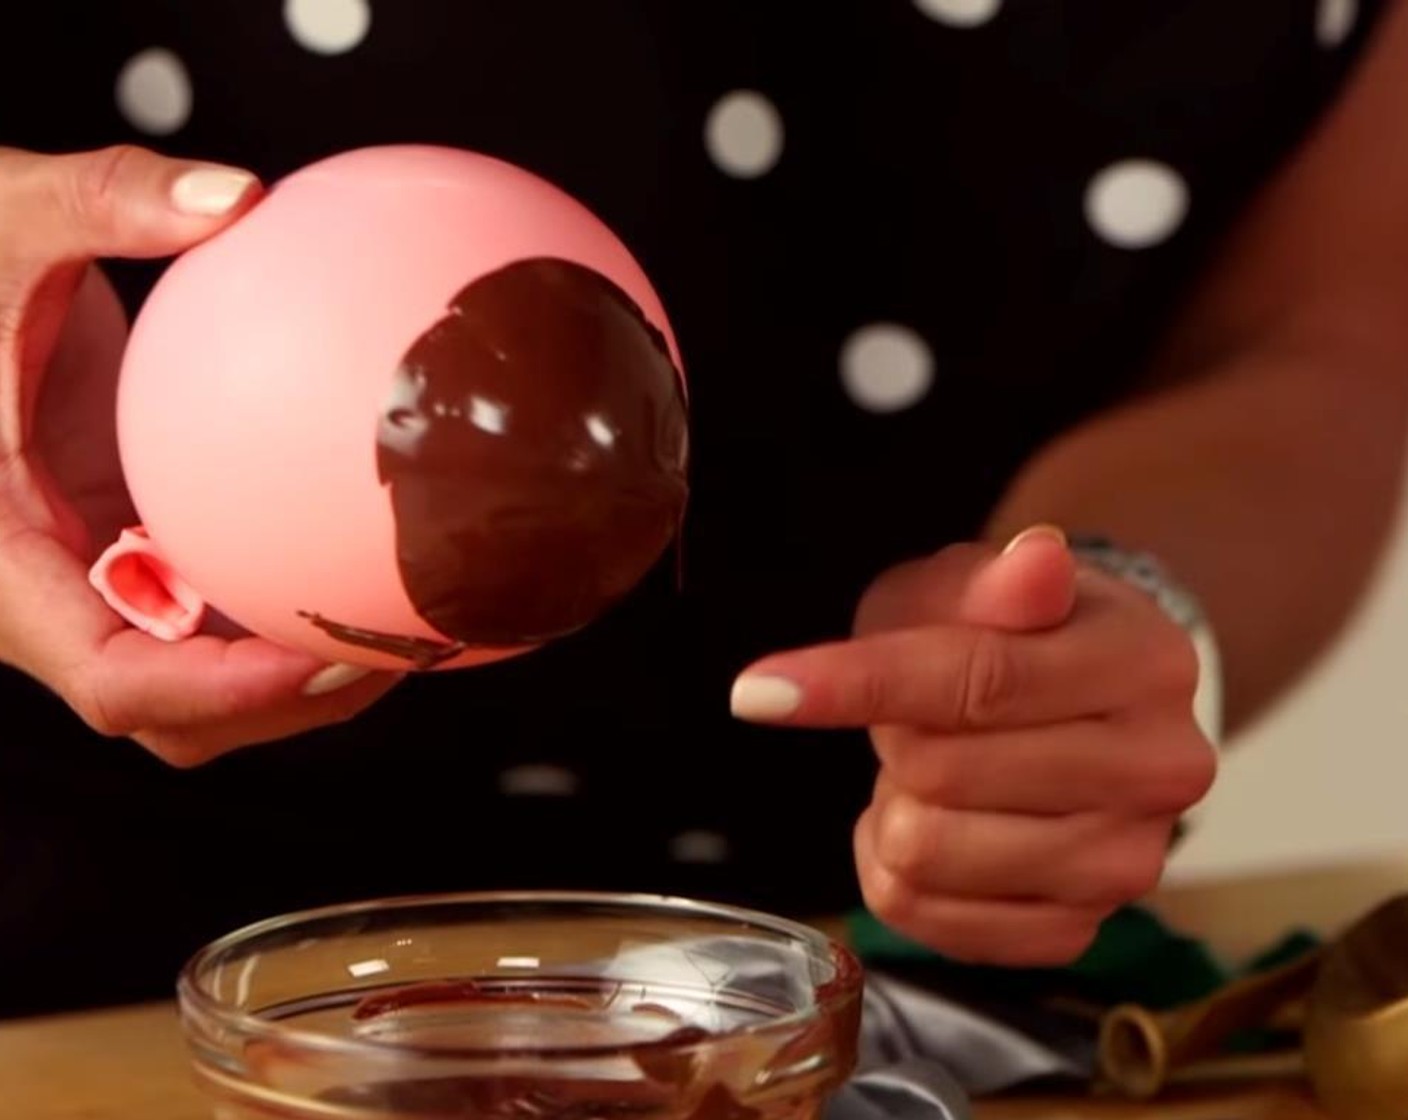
[59, 213]
[1031, 585]
[120, 201]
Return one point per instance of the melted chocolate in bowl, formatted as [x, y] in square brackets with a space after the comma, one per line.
[697, 1023]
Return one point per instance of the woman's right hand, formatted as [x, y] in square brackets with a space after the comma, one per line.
[61, 494]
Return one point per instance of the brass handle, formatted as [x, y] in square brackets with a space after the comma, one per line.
[1141, 1051]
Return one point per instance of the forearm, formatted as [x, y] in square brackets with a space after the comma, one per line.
[1268, 488]
[1263, 464]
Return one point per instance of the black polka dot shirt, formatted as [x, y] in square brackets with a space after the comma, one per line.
[903, 242]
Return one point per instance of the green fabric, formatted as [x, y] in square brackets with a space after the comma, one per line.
[1135, 958]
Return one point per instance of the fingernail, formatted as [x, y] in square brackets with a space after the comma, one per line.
[764, 698]
[1051, 532]
[208, 192]
[332, 678]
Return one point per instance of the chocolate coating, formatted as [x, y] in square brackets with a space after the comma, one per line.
[421, 652]
[535, 448]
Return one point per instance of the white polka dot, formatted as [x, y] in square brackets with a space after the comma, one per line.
[959, 13]
[538, 780]
[1136, 203]
[1334, 20]
[328, 26]
[744, 134]
[699, 847]
[154, 92]
[886, 367]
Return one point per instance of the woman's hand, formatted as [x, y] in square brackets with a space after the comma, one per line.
[61, 494]
[1034, 724]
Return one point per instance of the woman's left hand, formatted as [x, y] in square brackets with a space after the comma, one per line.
[1035, 730]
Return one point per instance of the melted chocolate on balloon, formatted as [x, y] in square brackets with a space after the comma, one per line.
[424, 653]
[534, 445]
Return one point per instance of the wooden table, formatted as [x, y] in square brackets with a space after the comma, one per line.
[129, 1064]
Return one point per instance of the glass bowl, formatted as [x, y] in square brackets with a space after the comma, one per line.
[522, 1006]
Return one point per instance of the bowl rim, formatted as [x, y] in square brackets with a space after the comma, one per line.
[196, 1004]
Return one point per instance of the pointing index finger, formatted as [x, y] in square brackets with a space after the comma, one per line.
[947, 678]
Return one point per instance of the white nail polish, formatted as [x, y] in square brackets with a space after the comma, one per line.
[332, 678]
[1053, 532]
[764, 698]
[208, 192]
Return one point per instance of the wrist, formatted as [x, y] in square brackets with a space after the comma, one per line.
[1144, 571]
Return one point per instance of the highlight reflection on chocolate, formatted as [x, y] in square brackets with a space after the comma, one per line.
[534, 445]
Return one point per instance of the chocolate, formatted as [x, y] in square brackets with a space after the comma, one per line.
[685, 1074]
[424, 653]
[534, 446]
[508, 1097]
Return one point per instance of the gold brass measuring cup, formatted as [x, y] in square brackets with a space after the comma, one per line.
[1348, 1001]
[1141, 1052]
[1356, 1025]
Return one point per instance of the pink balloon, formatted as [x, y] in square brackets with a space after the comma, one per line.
[418, 409]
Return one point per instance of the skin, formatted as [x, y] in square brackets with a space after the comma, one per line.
[1033, 721]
